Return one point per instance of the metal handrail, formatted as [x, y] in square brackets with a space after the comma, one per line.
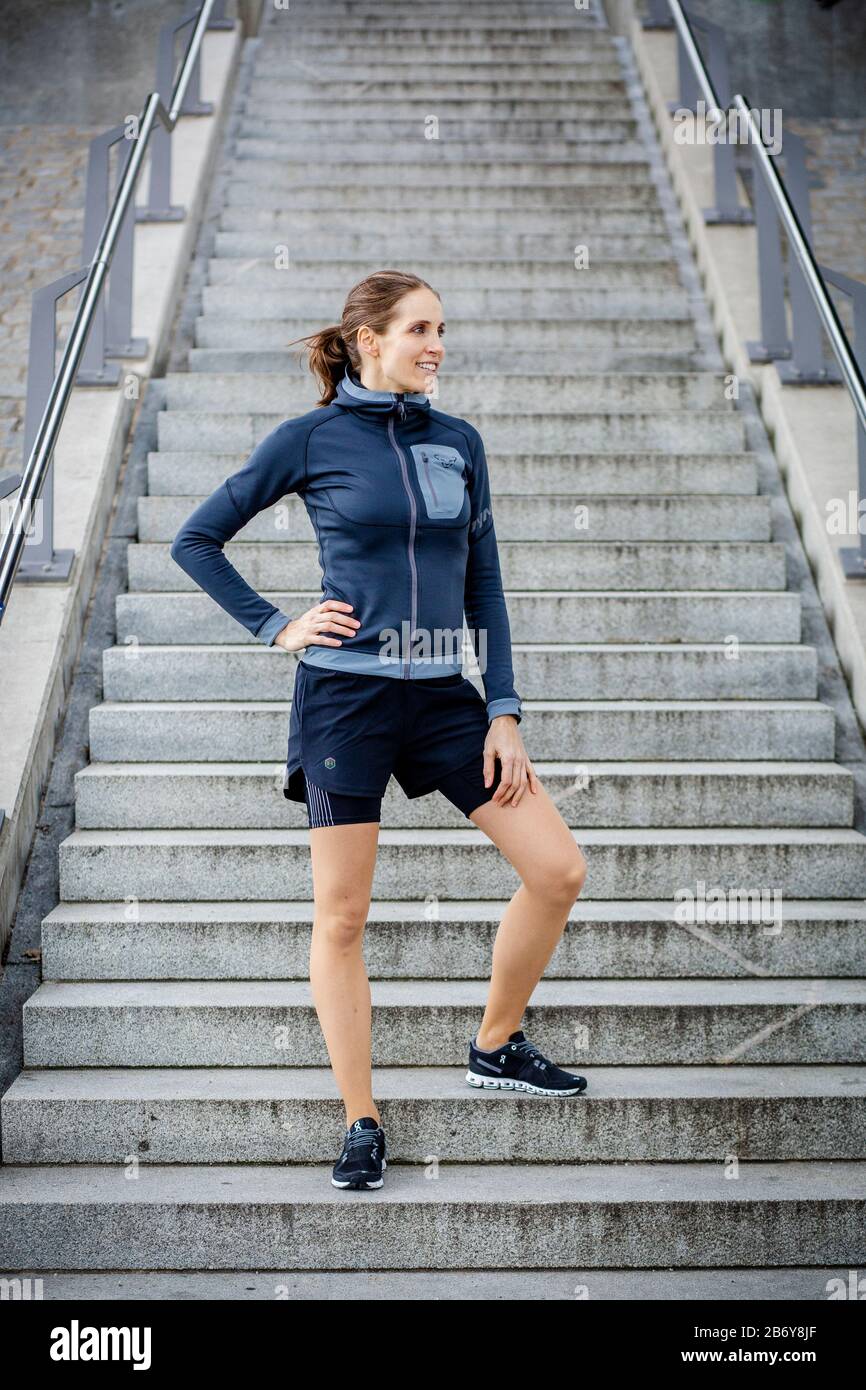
[798, 241]
[36, 468]
[815, 282]
[693, 53]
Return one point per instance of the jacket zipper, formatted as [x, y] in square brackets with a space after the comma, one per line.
[430, 483]
[411, 547]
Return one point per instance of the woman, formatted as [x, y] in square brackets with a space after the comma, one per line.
[399, 498]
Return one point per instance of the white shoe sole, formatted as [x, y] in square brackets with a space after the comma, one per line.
[490, 1083]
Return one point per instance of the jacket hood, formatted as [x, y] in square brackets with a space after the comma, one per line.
[354, 396]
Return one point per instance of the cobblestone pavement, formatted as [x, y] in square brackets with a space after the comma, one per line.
[836, 163]
[42, 176]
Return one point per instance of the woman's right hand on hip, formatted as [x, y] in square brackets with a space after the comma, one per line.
[330, 616]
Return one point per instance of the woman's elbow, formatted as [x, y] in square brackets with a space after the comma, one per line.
[178, 549]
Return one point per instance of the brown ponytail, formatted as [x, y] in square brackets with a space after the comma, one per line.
[372, 301]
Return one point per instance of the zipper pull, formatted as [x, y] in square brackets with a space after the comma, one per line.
[401, 408]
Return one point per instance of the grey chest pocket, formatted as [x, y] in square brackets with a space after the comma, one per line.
[440, 471]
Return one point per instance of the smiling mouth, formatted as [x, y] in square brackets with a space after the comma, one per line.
[428, 366]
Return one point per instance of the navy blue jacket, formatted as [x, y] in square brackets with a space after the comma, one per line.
[399, 497]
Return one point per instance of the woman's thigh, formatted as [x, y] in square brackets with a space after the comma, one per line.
[343, 860]
[535, 840]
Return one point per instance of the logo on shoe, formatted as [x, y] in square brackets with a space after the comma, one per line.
[330, 762]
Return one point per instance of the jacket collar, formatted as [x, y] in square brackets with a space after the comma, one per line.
[354, 396]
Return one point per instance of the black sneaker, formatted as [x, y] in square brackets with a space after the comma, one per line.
[363, 1157]
[519, 1066]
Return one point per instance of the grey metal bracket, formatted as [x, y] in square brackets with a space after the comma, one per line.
[159, 207]
[774, 341]
[111, 335]
[727, 209]
[40, 561]
[659, 16]
[218, 17]
[808, 365]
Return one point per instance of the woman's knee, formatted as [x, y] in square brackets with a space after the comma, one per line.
[343, 926]
[560, 881]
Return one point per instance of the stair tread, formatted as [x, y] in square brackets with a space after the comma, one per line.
[597, 769]
[248, 1084]
[584, 910]
[584, 1185]
[610, 993]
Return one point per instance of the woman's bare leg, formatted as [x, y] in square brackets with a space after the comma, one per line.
[539, 845]
[343, 862]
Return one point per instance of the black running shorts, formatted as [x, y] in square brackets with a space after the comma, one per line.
[349, 732]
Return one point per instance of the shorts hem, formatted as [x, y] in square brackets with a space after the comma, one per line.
[461, 770]
[294, 781]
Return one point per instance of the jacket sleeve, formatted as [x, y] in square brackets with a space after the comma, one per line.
[275, 467]
[483, 599]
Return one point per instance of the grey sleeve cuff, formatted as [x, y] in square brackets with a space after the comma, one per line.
[504, 706]
[272, 625]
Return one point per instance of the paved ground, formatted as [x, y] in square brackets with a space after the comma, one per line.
[42, 178]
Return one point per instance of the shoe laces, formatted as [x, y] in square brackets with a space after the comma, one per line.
[531, 1052]
[361, 1136]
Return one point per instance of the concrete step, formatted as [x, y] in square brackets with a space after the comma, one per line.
[316, 23]
[537, 627]
[244, 394]
[259, 272]
[370, 221]
[542, 343]
[530, 566]
[587, 105]
[237, 302]
[623, 1216]
[718, 430]
[452, 940]
[188, 472]
[392, 54]
[425, 1285]
[431, 153]
[531, 247]
[236, 864]
[324, 130]
[586, 1023]
[551, 518]
[208, 796]
[597, 167]
[308, 17]
[288, 363]
[680, 730]
[470, 32]
[360, 67]
[250, 1115]
[559, 671]
[517, 83]
[248, 191]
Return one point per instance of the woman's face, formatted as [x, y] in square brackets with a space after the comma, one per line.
[411, 350]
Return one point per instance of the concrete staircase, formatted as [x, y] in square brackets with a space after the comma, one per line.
[158, 1124]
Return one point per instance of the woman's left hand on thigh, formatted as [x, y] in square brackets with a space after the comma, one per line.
[503, 741]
